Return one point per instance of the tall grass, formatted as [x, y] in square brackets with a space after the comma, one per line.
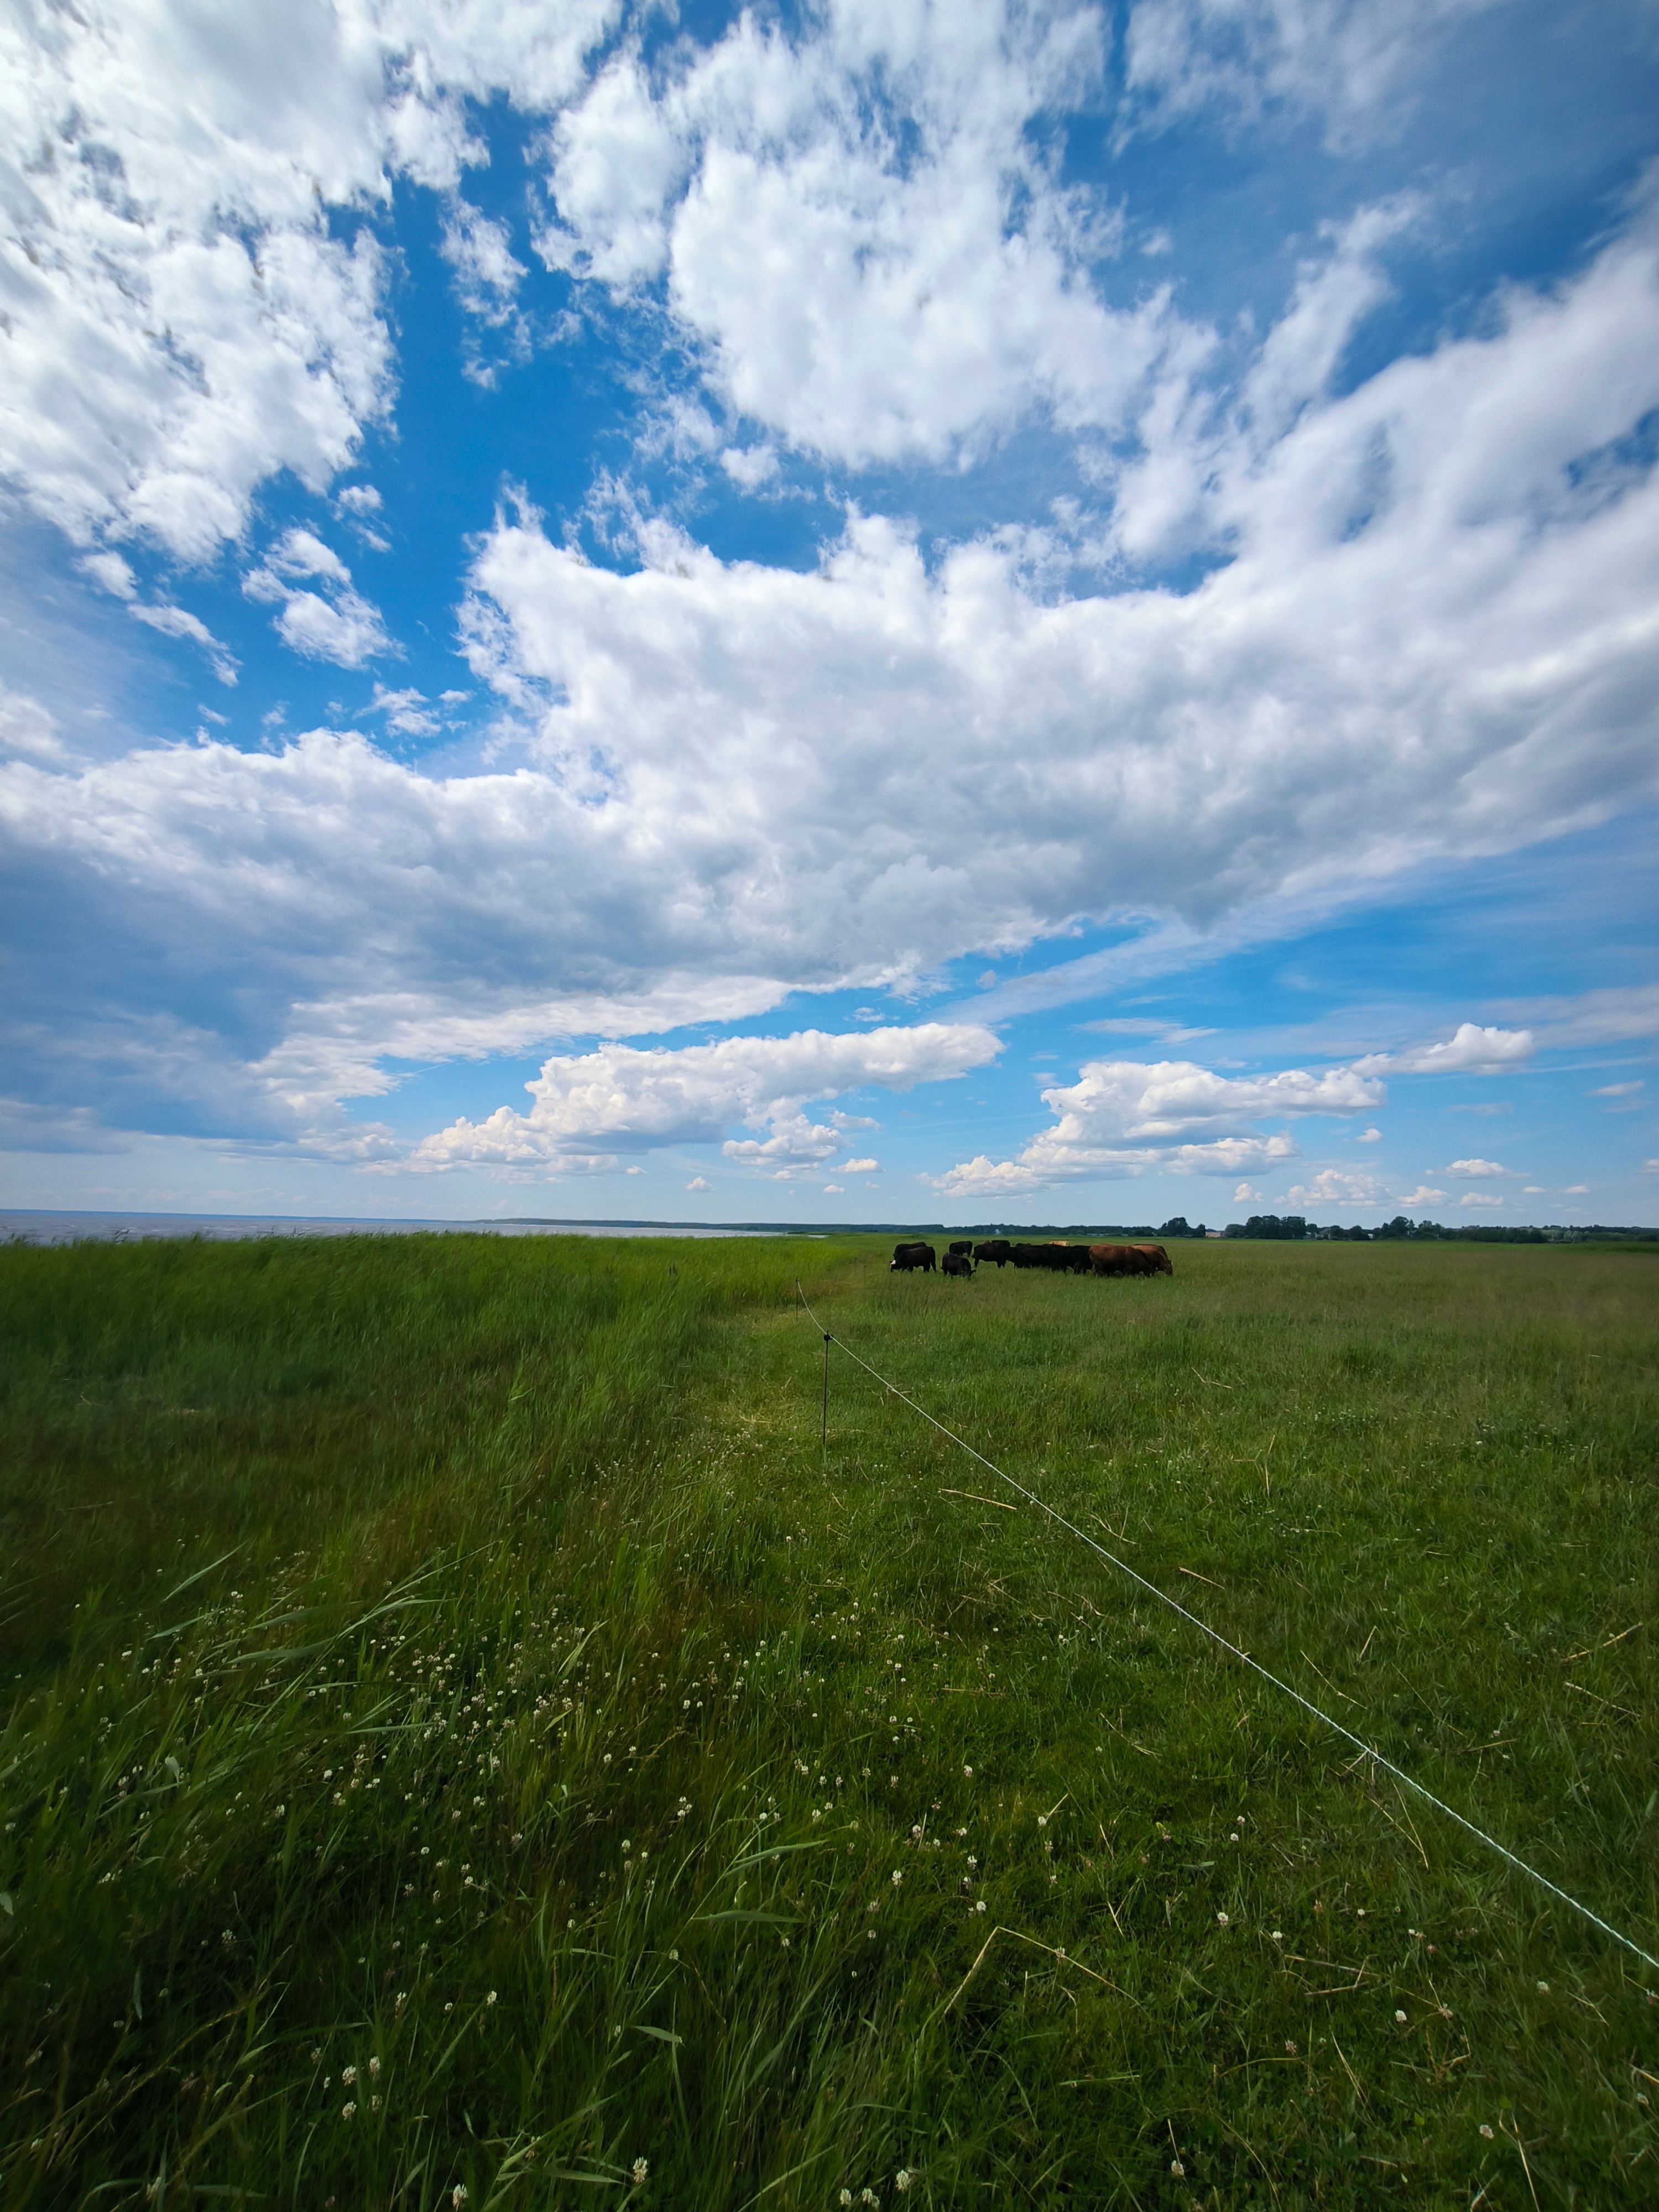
[467, 1738]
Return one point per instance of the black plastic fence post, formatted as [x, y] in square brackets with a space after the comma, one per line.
[824, 1425]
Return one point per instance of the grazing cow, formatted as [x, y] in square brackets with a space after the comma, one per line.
[1070, 1259]
[995, 1248]
[965, 1247]
[1130, 1260]
[957, 1263]
[906, 1256]
[1027, 1255]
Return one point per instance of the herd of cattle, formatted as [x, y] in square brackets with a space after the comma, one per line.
[1060, 1259]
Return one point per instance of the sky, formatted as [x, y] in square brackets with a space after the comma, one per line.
[979, 613]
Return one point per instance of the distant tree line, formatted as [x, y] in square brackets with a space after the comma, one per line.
[1294, 1229]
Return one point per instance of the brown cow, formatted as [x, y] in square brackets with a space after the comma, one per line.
[1130, 1260]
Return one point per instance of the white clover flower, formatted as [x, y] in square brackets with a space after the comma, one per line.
[458, 2195]
[491, 1999]
[979, 1907]
[1400, 2017]
[1485, 2130]
[846, 2197]
[346, 2111]
[1221, 1920]
[1177, 2169]
[902, 2180]
[374, 2069]
[347, 2074]
[639, 2169]
[897, 1877]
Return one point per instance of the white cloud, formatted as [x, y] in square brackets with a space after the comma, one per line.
[1650, 1167]
[191, 301]
[1480, 1197]
[700, 1183]
[633, 1099]
[1591, 1017]
[833, 1190]
[1482, 1168]
[342, 627]
[1618, 1090]
[1471, 1050]
[1346, 60]
[1332, 1186]
[1369, 1137]
[749, 466]
[855, 223]
[406, 711]
[1421, 1196]
[1121, 1117]
[859, 1167]
[114, 574]
[27, 727]
[1244, 1193]
[1577, 1189]
[1443, 651]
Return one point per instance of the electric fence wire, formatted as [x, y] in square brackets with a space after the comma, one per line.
[1368, 1751]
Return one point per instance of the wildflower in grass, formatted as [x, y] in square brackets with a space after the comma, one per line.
[846, 2197]
[347, 2074]
[1486, 2131]
[897, 1877]
[458, 2195]
[1290, 2046]
[902, 2180]
[374, 2069]
[639, 2169]
[979, 1907]
[491, 1999]
[348, 2110]
[1279, 1935]
[1177, 2169]
[1400, 2017]
[1545, 1988]
[1221, 1920]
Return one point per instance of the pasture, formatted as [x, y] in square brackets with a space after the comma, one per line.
[466, 1744]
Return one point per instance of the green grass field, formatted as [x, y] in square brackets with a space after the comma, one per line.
[466, 1745]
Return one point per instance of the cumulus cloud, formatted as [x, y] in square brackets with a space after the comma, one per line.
[928, 278]
[1480, 1197]
[1333, 1186]
[1369, 1137]
[1421, 1196]
[859, 1167]
[626, 1099]
[406, 712]
[332, 622]
[1482, 1168]
[1121, 1117]
[700, 1183]
[113, 574]
[191, 301]
[1471, 1049]
[1432, 639]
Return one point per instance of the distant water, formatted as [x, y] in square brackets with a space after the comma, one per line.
[47, 1228]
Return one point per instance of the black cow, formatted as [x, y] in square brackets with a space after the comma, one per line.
[906, 1256]
[957, 1263]
[995, 1248]
[965, 1245]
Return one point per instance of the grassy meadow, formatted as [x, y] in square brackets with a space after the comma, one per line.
[466, 1744]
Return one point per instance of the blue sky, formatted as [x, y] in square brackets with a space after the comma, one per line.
[849, 613]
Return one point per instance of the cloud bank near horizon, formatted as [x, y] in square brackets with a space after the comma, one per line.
[1320, 592]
